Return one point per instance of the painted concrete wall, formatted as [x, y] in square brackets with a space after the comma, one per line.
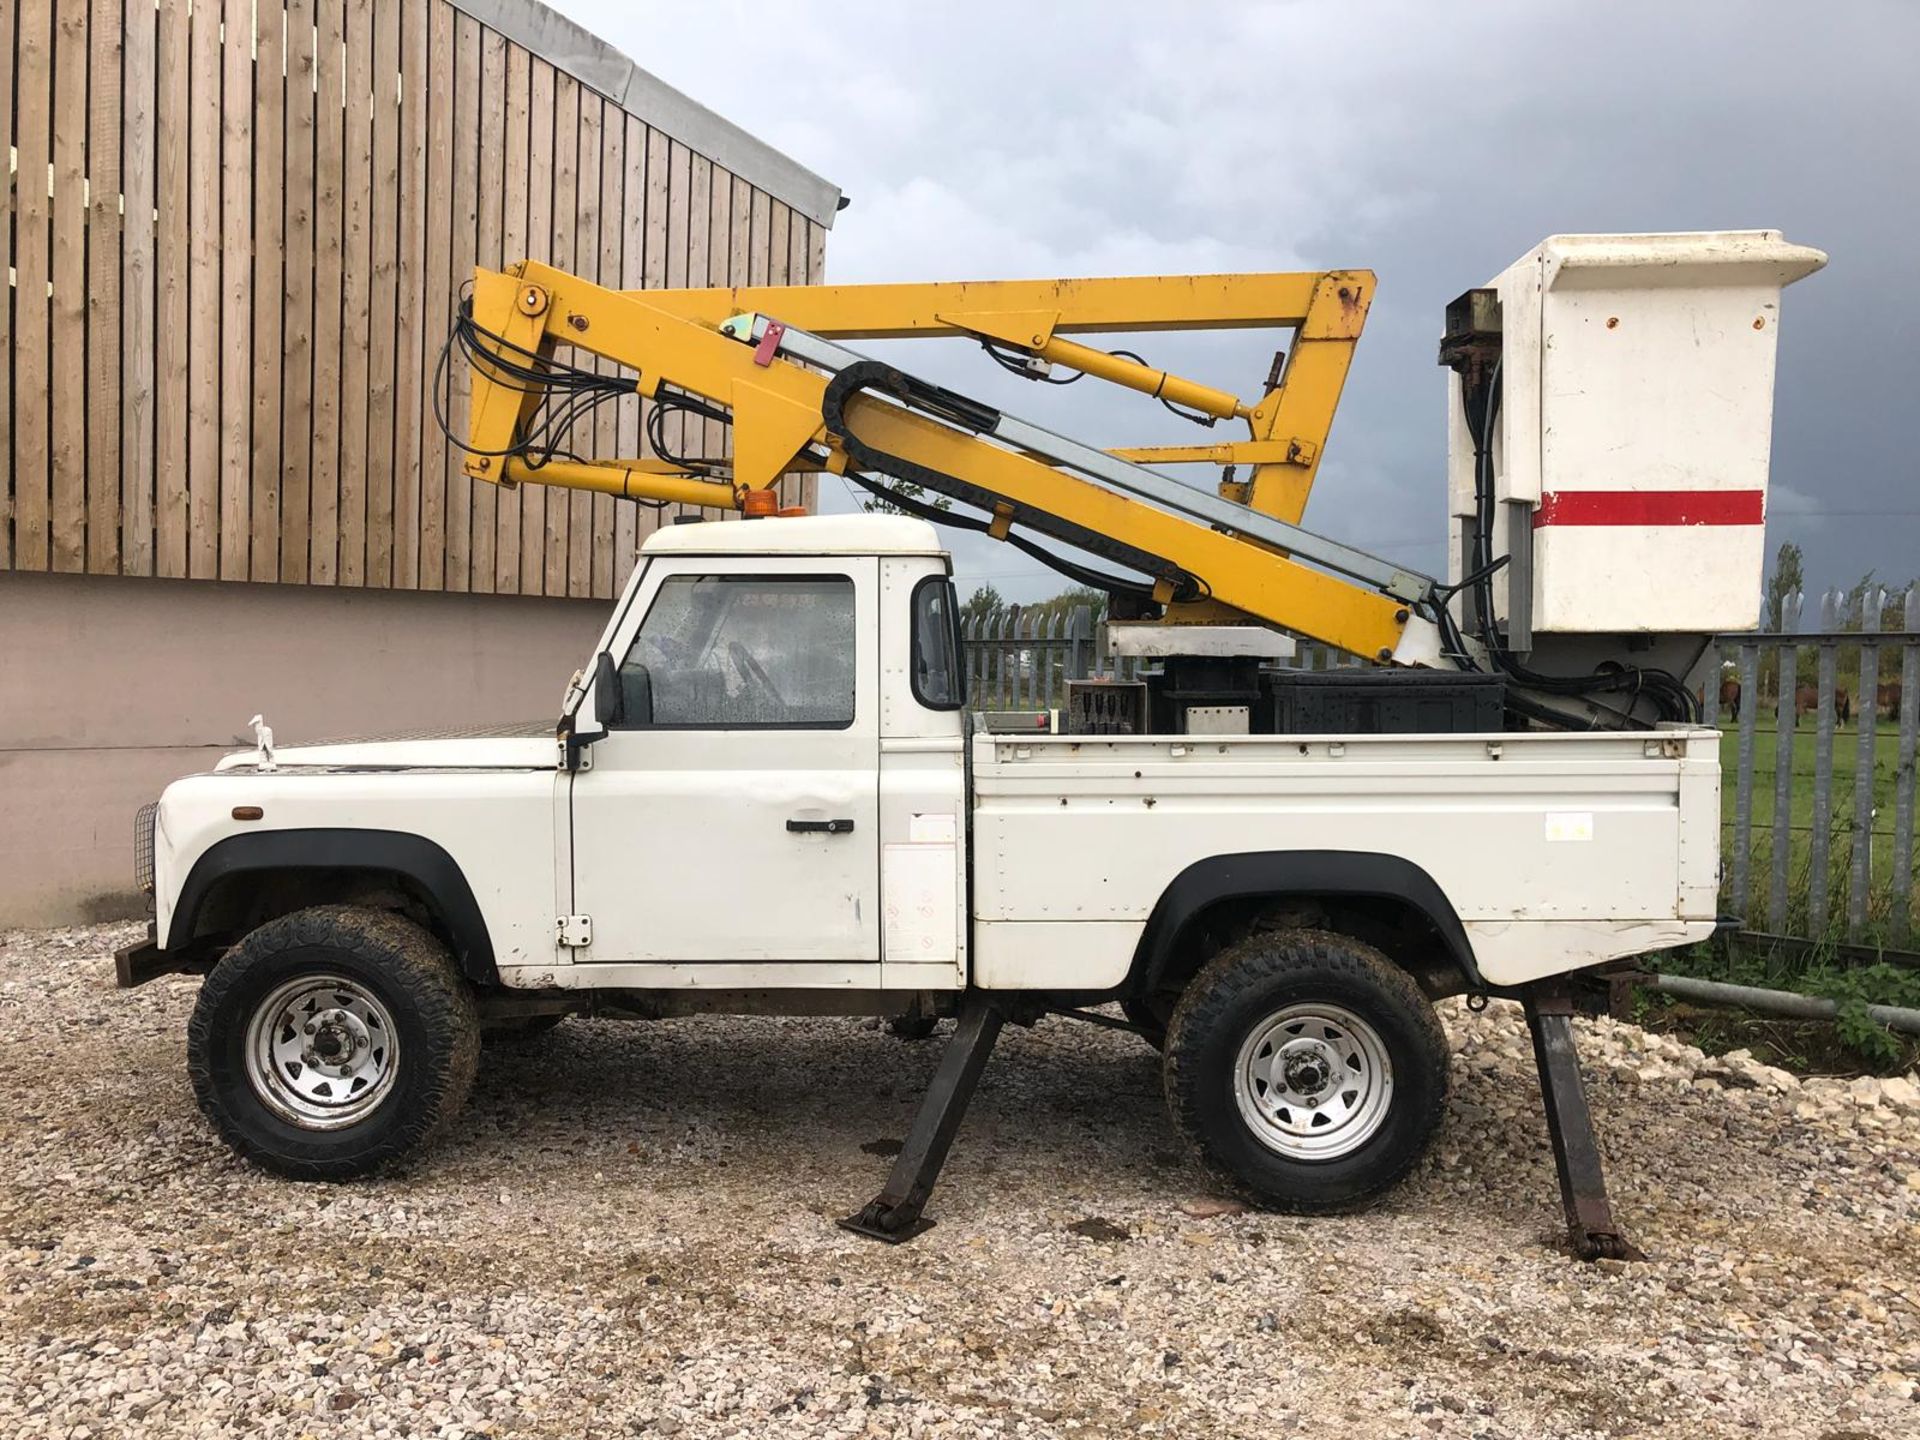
[111, 686]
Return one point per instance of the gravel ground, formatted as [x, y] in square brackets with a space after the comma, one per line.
[629, 1232]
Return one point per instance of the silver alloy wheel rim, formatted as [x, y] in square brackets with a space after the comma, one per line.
[1313, 1081]
[321, 1052]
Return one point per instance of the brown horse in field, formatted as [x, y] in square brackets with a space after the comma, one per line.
[1806, 700]
[1730, 696]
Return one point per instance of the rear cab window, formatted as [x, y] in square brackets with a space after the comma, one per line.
[939, 681]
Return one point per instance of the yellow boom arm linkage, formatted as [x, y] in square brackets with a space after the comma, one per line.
[673, 339]
[1287, 425]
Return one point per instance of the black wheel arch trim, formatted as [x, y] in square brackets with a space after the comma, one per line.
[412, 856]
[1281, 873]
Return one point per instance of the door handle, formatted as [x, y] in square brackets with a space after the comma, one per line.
[820, 827]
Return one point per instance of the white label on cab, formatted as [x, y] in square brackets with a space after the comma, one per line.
[1569, 826]
[932, 830]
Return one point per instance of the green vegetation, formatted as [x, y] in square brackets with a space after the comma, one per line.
[987, 605]
[1852, 1042]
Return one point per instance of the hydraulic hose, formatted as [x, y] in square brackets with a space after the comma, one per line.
[865, 461]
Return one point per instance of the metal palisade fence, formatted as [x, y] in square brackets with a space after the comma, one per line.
[1818, 745]
[1022, 660]
[1819, 727]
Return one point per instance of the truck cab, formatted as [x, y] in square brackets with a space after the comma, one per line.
[770, 787]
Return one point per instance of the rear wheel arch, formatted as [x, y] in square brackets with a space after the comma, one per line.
[244, 881]
[1384, 900]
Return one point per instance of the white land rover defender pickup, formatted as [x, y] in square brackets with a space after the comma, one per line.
[763, 795]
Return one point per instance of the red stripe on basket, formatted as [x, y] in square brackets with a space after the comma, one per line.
[1651, 507]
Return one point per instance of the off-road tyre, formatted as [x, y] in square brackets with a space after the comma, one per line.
[1234, 998]
[435, 1030]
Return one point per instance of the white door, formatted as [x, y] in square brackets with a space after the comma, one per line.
[732, 814]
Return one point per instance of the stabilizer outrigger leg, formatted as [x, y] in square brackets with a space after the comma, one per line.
[1576, 1154]
[894, 1214]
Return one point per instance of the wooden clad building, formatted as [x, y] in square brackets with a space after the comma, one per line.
[236, 232]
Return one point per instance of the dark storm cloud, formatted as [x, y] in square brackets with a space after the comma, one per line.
[1431, 143]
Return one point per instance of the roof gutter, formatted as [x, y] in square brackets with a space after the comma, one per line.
[600, 67]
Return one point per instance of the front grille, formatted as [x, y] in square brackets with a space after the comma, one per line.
[143, 823]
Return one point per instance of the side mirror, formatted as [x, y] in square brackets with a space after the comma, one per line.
[609, 699]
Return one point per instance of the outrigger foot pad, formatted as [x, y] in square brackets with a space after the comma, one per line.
[894, 1214]
[1576, 1153]
[876, 1219]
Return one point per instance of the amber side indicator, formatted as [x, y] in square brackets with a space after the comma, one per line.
[247, 812]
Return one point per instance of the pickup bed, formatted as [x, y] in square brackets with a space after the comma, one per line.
[762, 795]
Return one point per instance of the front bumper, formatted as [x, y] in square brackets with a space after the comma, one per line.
[137, 964]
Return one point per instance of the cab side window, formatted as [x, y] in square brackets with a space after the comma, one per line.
[939, 682]
[744, 652]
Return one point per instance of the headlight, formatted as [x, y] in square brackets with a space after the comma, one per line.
[143, 822]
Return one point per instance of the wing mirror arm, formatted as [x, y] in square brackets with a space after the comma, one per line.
[621, 701]
[609, 699]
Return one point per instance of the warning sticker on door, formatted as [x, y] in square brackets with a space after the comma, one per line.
[919, 910]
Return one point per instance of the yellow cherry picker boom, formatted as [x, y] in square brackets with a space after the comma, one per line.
[1562, 587]
[768, 362]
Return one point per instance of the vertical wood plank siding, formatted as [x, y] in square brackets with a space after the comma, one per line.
[297, 316]
[235, 236]
[32, 259]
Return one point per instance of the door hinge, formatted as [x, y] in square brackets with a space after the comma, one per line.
[576, 931]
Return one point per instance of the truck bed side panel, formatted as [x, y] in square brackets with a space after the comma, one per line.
[1556, 851]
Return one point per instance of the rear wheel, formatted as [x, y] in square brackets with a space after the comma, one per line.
[1308, 1070]
[332, 1040]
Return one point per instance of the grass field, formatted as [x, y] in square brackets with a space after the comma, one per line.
[1800, 827]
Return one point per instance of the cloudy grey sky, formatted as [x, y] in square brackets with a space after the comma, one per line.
[1431, 143]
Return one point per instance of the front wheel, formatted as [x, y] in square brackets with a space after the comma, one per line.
[332, 1040]
[1308, 1070]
